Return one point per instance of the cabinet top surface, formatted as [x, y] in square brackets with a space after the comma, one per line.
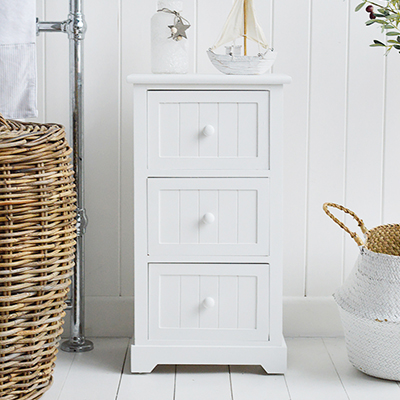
[208, 79]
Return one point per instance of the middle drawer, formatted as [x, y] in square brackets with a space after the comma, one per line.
[208, 216]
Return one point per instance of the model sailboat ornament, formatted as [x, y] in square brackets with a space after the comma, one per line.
[242, 22]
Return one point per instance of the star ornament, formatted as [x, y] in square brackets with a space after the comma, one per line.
[178, 31]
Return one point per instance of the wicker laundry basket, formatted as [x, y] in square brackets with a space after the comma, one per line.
[37, 231]
[369, 300]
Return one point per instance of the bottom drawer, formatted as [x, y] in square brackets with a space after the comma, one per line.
[209, 302]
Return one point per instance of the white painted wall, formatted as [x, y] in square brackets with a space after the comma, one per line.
[341, 139]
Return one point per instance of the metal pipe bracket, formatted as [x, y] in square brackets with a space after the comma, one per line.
[76, 26]
[81, 221]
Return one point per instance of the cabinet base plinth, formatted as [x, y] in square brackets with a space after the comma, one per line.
[272, 358]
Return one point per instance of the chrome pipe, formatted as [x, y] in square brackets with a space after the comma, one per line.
[42, 26]
[75, 27]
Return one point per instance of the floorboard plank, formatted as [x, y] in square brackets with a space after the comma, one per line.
[95, 375]
[311, 373]
[358, 385]
[202, 382]
[252, 382]
[317, 369]
[160, 384]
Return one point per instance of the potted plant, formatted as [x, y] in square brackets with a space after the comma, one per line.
[388, 16]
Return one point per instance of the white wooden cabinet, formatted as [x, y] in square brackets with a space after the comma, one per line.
[207, 169]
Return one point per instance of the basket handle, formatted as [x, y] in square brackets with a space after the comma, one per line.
[360, 222]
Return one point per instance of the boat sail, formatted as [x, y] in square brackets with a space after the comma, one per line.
[242, 22]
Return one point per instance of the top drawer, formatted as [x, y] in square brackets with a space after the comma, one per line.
[205, 129]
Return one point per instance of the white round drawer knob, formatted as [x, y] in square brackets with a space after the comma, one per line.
[208, 130]
[208, 218]
[208, 302]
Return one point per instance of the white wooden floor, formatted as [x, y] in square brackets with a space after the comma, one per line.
[318, 370]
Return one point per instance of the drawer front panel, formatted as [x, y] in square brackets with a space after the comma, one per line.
[208, 129]
[208, 216]
[209, 301]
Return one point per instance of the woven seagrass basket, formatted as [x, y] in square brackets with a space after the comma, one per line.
[37, 246]
[369, 300]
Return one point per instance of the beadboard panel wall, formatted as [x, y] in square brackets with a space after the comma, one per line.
[341, 137]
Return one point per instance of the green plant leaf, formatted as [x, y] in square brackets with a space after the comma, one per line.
[396, 46]
[376, 45]
[370, 22]
[377, 42]
[360, 6]
[383, 11]
[392, 33]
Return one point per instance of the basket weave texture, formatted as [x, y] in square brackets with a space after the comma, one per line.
[37, 246]
[369, 300]
[384, 239]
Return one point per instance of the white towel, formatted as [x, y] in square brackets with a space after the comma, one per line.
[18, 59]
